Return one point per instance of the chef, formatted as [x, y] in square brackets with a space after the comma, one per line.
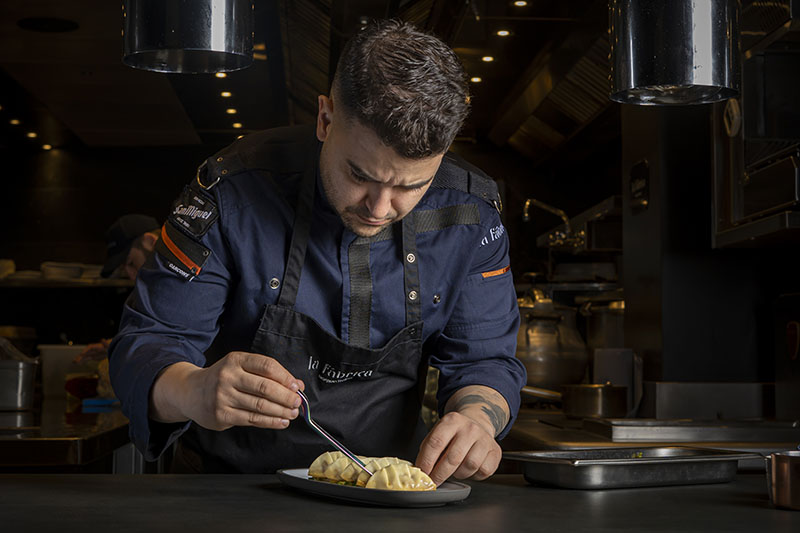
[341, 260]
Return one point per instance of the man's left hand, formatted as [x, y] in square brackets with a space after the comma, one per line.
[462, 444]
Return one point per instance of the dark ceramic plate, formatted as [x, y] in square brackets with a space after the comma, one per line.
[447, 492]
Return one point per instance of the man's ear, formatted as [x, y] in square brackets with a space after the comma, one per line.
[324, 117]
[149, 241]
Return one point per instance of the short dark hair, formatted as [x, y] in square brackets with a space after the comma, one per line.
[406, 85]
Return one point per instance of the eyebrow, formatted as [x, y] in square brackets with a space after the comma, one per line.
[355, 169]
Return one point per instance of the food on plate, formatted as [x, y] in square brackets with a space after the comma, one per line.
[389, 473]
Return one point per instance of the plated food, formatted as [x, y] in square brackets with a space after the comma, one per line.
[388, 473]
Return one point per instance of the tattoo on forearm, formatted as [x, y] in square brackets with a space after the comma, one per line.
[495, 413]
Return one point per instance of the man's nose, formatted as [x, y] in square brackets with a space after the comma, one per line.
[379, 201]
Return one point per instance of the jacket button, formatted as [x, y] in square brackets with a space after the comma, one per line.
[219, 159]
[412, 295]
[411, 258]
[437, 298]
[274, 283]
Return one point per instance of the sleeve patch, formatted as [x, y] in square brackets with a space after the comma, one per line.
[194, 211]
[497, 272]
[182, 255]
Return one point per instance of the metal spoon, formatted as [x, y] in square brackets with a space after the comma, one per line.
[306, 409]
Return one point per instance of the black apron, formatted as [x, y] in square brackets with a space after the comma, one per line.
[369, 399]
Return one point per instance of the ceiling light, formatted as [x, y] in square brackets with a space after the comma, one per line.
[520, 3]
[476, 79]
[260, 57]
[14, 121]
[46, 147]
[225, 94]
[221, 75]
[239, 136]
[31, 135]
[259, 46]
[503, 33]
[487, 59]
[237, 125]
[230, 111]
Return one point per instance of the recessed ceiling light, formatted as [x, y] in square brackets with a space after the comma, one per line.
[488, 59]
[503, 33]
[520, 3]
[46, 147]
[221, 75]
[14, 121]
[225, 94]
[31, 135]
[230, 111]
[476, 79]
[239, 136]
[237, 125]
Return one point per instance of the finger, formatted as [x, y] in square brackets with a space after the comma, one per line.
[452, 458]
[241, 417]
[490, 463]
[269, 368]
[472, 464]
[261, 406]
[267, 389]
[434, 445]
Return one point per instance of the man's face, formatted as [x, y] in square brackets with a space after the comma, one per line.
[368, 184]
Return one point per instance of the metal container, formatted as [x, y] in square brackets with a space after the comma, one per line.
[612, 468]
[197, 36]
[783, 479]
[587, 401]
[16, 385]
[548, 343]
[675, 52]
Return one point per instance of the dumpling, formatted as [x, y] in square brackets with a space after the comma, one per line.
[400, 476]
[335, 466]
[374, 465]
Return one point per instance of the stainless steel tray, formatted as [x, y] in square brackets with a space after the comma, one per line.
[612, 468]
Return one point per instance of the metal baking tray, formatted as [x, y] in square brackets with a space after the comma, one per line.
[624, 467]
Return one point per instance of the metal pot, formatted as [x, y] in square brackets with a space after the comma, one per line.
[783, 475]
[587, 401]
[605, 324]
[16, 385]
[548, 343]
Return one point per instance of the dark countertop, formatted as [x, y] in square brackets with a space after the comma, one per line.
[61, 433]
[261, 503]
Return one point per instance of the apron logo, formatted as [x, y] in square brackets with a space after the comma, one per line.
[494, 234]
[191, 211]
[330, 374]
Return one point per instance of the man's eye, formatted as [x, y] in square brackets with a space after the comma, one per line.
[358, 178]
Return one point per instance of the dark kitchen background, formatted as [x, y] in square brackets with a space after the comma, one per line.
[691, 212]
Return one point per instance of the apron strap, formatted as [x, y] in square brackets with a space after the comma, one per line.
[300, 233]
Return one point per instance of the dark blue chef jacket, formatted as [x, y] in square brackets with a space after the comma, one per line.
[468, 302]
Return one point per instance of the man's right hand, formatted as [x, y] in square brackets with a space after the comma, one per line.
[241, 389]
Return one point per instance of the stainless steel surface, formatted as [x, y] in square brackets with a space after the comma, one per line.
[548, 343]
[188, 37]
[639, 430]
[783, 479]
[676, 52]
[16, 385]
[612, 468]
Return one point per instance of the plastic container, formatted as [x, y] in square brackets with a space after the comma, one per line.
[56, 364]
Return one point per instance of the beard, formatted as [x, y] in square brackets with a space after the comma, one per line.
[349, 215]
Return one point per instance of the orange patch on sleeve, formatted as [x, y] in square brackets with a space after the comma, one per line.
[495, 272]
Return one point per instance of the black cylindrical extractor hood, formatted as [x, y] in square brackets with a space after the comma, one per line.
[674, 52]
[188, 36]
